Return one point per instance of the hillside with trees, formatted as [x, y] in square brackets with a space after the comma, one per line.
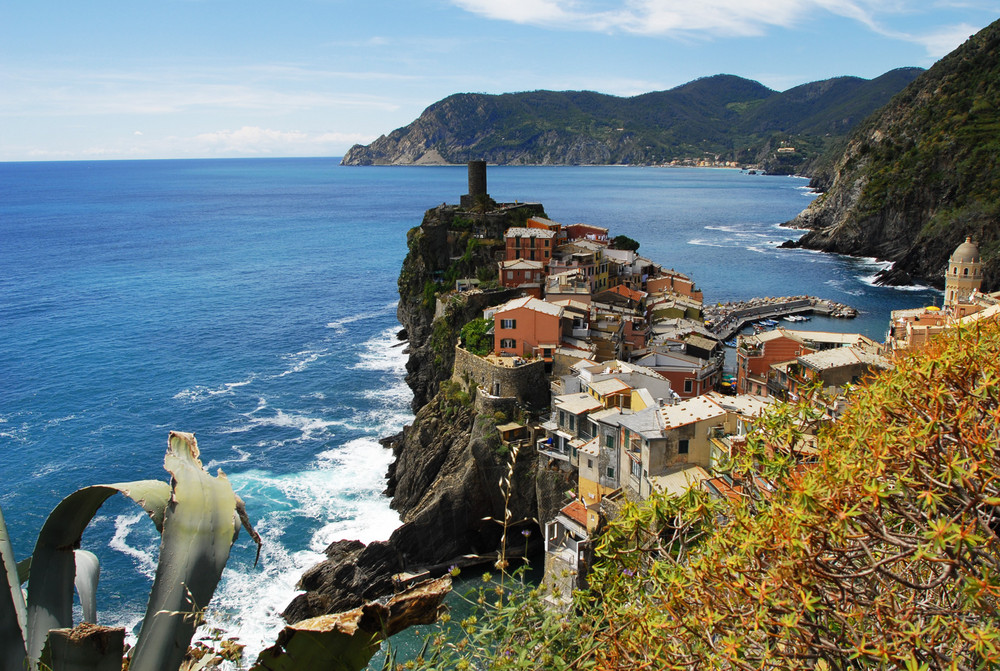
[720, 118]
[922, 174]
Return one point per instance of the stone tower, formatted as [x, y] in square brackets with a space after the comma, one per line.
[477, 185]
[965, 274]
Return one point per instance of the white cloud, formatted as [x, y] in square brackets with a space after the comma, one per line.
[686, 19]
[522, 11]
[666, 17]
[256, 141]
[945, 40]
[274, 89]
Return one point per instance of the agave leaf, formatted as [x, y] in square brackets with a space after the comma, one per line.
[53, 563]
[199, 528]
[23, 570]
[13, 613]
[88, 572]
[347, 641]
[86, 647]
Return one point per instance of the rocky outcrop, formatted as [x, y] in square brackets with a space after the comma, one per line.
[444, 248]
[446, 478]
[919, 176]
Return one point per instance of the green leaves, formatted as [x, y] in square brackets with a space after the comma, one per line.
[200, 525]
[13, 612]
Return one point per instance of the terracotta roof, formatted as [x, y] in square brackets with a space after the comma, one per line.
[630, 294]
[577, 512]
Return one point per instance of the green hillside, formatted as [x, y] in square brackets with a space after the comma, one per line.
[719, 118]
[920, 175]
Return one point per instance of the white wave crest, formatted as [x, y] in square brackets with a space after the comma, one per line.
[342, 491]
[338, 325]
[384, 352]
[301, 360]
[145, 558]
[201, 392]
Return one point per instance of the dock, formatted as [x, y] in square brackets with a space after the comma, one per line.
[725, 320]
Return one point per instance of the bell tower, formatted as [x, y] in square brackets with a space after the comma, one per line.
[964, 276]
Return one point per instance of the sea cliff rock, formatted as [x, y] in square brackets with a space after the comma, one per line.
[447, 478]
[920, 175]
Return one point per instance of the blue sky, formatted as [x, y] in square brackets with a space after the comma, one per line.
[106, 79]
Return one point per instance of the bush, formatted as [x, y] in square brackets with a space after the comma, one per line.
[475, 338]
[884, 554]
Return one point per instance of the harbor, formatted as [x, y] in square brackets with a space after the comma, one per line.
[725, 320]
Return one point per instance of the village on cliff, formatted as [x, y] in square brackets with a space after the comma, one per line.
[615, 367]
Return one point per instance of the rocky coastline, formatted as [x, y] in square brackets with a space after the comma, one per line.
[448, 464]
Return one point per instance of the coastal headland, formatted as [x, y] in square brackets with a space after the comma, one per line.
[478, 399]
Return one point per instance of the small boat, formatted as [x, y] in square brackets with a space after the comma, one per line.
[729, 343]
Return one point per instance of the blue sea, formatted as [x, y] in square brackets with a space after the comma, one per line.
[253, 303]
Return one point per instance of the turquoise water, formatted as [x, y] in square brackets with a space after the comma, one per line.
[253, 302]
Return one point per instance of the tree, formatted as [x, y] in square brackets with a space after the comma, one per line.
[476, 337]
[624, 242]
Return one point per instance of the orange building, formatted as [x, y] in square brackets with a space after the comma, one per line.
[672, 281]
[756, 354]
[528, 327]
[533, 244]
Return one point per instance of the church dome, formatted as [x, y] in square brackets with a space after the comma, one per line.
[967, 252]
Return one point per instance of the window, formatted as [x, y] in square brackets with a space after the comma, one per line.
[611, 472]
[510, 274]
[609, 440]
[590, 463]
[572, 422]
[682, 447]
[508, 323]
[688, 386]
[636, 469]
[508, 343]
[562, 418]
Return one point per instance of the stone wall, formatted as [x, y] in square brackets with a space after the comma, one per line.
[527, 382]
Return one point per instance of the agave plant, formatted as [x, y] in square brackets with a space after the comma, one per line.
[198, 517]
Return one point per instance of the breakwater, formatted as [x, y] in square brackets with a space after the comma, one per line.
[726, 319]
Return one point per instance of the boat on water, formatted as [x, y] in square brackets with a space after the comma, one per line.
[767, 322]
[795, 318]
[729, 343]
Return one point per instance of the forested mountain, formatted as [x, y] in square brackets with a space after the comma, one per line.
[719, 118]
[921, 174]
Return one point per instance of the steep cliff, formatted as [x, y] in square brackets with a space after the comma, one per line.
[728, 117]
[921, 174]
[446, 477]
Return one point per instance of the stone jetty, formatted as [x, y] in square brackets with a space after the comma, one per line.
[726, 319]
